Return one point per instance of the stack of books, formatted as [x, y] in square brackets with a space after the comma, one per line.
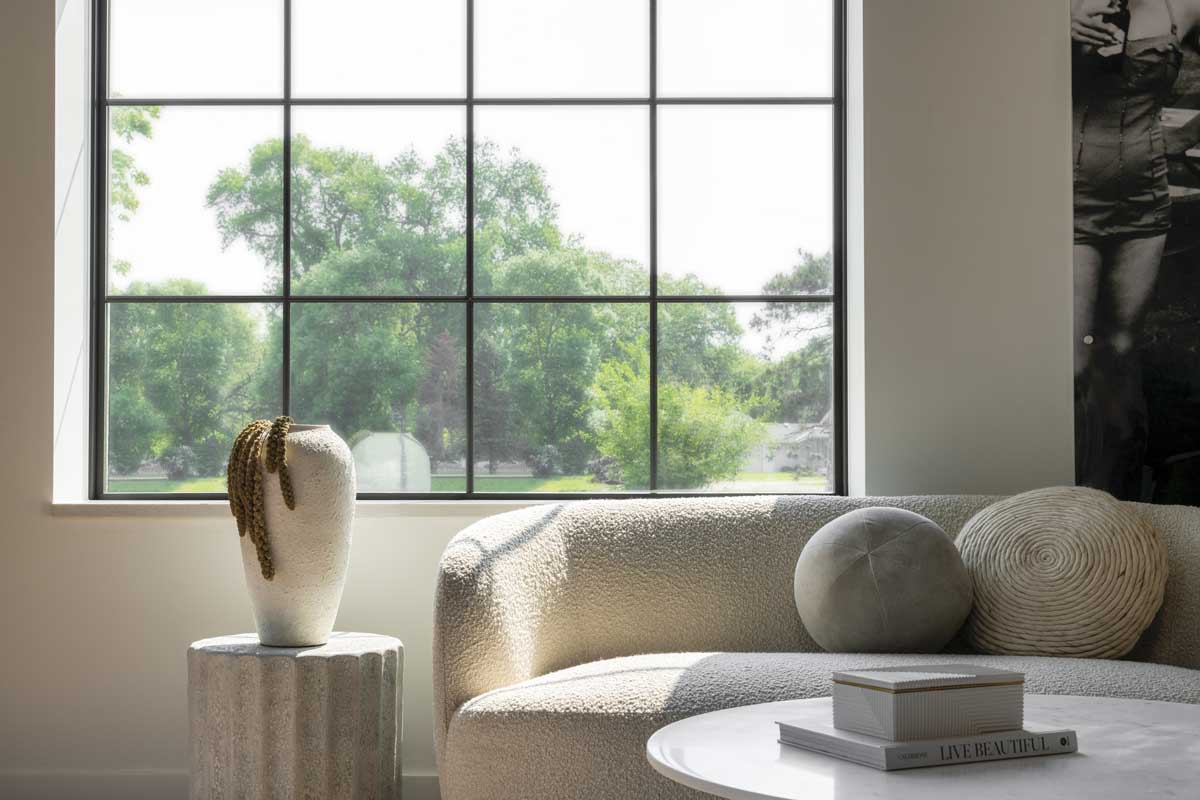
[925, 716]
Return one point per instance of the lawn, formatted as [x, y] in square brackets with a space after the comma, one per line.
[574, 484]
[577, 484]
[138, 485]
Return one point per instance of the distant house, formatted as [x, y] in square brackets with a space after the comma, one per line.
[792, 447]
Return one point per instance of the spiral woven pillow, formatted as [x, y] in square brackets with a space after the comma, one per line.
[1062, 572]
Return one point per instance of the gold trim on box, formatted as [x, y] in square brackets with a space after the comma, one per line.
[929, 688]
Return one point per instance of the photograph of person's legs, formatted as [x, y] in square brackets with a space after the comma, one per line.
[1136, 332]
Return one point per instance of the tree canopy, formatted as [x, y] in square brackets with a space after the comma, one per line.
[561, 386]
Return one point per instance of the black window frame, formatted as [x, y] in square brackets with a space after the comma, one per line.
[100, 298]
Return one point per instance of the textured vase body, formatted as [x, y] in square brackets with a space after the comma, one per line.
[310, 545]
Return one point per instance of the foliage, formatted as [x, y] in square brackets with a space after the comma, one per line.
[546, 461]
[704, 435]
[133, 427]
[605, 469]
[365, 228]
[180, 462]
[551, 351]
[355, 366]
[494, 411]
[799, 382]
[406, 217]
[440, 412]
[812, 275]
[563, 387]
[181, 374]
[128, 123]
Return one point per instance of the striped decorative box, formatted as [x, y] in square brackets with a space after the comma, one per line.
[928, 702]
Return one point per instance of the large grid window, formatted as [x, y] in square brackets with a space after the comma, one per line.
[502, 247]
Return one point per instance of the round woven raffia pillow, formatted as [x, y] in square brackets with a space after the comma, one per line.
[1062, 572]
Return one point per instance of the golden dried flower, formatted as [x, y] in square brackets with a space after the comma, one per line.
[261, 443]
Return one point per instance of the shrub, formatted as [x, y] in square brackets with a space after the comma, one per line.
[180, 462]
[545, 461]
[605, 469]
[704, 434]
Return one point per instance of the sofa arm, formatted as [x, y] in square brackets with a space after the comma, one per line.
[489, 615]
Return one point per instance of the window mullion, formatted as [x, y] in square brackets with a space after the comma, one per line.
[286, 355]
[653, 245]
[469, 236]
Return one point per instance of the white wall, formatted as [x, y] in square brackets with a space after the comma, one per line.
[966, 376]
[965, 386]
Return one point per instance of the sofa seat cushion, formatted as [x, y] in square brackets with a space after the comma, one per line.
[586, 727]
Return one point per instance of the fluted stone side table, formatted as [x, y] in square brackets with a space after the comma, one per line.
[295, 722]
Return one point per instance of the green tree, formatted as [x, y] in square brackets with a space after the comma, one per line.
[180, 375]
[361, 227]
[551, 354]
[135, 427]
[703, 433]
[356, 366]
[494, 411]
[440, 418]
[800, 382]
[552, 351]
[365, 228]
[699, 343]
[812, 274]
[412, 212]
[128, 123]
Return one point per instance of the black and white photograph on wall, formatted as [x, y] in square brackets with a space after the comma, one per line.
[1136, 87]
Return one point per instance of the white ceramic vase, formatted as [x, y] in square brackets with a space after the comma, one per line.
[310, 544]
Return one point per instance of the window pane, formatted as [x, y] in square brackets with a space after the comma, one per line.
[390, 379]
[745, 397]
[183, 48]
[551, 48]
[562, 200]
[378, 201]
[745, 195]
[562, 399]
[379, 48]
[749, 48]
[195, 200]
[183, 379]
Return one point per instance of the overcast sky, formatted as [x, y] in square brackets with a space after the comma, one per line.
[741, 189]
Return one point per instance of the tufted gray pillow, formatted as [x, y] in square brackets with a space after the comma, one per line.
[1062, 572]
[882, 580]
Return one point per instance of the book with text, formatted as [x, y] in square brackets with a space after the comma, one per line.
[888, 755]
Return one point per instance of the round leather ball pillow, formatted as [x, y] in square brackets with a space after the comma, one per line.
[1062, 572]
[882, 580]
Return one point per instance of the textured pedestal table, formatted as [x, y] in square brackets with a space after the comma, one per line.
[1127, 749]
[295, 722]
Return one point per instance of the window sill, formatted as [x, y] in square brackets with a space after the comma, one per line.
[219, 509]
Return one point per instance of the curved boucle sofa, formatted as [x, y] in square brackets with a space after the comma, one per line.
[566, 634]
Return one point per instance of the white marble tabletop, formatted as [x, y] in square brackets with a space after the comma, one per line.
[1127, 749]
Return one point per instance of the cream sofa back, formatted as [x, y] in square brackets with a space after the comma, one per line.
[533, 591]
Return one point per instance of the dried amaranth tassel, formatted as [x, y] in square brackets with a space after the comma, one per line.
[261, 443]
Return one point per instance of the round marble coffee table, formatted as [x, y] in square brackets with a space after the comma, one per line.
[1127, 748]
